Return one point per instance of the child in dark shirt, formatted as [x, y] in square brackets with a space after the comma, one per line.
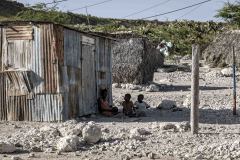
[128, 107]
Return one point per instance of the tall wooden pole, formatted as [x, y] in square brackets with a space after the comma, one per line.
[195, 89]
[234, 82]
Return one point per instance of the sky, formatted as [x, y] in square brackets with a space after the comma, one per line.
[122, 8]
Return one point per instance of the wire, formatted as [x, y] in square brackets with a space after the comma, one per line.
[55, 2]
[91, 5]
[195, 8]
[176, 10]
[154, 6]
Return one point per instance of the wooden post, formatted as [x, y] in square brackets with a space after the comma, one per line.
[234, 82]
[195, 89]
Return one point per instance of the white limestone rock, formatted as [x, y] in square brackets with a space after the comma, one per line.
[183, 126]
[116, 85]
[91, 133]
[187, 102]
[68, 144]
[138, 133]
[152, 88]
[227, 72]
[167, 105]
[72, 129]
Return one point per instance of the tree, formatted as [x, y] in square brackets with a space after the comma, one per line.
[230, 13]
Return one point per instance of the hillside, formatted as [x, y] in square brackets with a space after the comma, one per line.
[9, 9]
[181, 33]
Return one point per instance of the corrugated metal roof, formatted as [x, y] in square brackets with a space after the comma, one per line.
[9, 23]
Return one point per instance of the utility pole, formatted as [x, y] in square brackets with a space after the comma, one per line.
[195, 89]
[88, 19]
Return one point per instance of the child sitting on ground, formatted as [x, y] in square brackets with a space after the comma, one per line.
[128, 107]
[141, 106]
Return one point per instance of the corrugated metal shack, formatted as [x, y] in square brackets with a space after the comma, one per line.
[49, 72]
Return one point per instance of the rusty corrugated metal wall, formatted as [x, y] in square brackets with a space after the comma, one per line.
[30, 76]
[51, 73]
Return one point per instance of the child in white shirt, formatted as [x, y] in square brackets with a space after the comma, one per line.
[141, 106]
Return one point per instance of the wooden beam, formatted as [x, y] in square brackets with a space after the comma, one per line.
[195, 89]
[234, 82]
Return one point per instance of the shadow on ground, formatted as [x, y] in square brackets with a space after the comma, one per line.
[206, 116]
[174, 88]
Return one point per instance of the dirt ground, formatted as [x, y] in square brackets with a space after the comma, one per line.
[219, 130]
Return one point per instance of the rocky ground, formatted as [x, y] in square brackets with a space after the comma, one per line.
[164, 134]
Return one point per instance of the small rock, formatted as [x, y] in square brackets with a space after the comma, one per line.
[116, 85]
[68, 144]
[77, 153]
[7, 147]
[49, 150]
[183, 126]
[70, 122]
[167, 105]
[187, 102]
[227, 72]
[152, 88]
[132, 87]
[150, 155]
[15, 158]
[31, 155]
[91, 133]
[138, 133]
[123, 86]
[36, 149]
[168, 126]
[125, 157]
[58, 153]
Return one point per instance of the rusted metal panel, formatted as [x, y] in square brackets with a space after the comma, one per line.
[89, 83]
[18, 83]
[3, 97]
[19, 32]
[72, 48]
[49, 59]
[42, 108]
[18, 54]
[0, 48]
